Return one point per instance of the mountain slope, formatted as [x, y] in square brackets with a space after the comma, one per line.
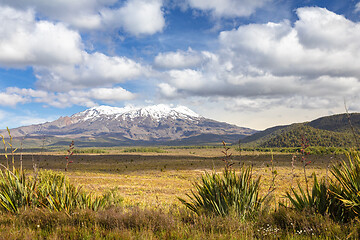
[159, 123]
[336, 123]
[326, 131]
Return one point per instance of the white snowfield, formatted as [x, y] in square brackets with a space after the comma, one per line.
[156, 112]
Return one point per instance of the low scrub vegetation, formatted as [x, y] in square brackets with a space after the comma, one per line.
[136, 223]
[338, 198]
[49, 190]
[144, 150]
[46, 190]
[222, 205]
[90, 150]
[318, 150]
[226, 194]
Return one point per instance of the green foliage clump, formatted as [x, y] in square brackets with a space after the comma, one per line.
[340, 199]
[50, 190]
[89, 150]
[316, 201]
[226, 194]
[313, 150]
[196, 147]
[346, 188]
[289, 137]
[286, 223]
[57, 193]
[15, 191]
[145, 149]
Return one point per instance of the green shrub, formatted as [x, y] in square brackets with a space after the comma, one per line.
[15, 191]
[346, 188]
[287, 223]
[316, 201]
[90, 150]
[145, 149]
[227, 193]
[340, 199]
[50, 190]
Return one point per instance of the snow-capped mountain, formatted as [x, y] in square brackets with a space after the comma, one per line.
[158, 123]
[156, 112]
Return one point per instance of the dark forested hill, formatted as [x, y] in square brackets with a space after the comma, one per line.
[331, 131]
[336, 123]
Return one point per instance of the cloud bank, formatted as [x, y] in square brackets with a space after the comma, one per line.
[60, 62]
[310, 64]
[134, 16]
[88, 98]
[228, 8]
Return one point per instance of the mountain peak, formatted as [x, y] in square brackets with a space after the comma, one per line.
[114, 126]
[162, 110]
[157, 112]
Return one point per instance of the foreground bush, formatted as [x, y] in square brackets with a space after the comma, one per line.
[227, 193]
[144, 150]
[339, 199]
[346, 188]
[135, 223]
[317, 200]
[49, 190]
[287, 223]
[15, 191]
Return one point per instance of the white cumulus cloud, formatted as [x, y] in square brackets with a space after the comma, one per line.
[357, 7]
[320, 43]
[133, 16]
[310, 64]
[11, 99]
[182, 59]
[228, 8]
[94, 70]
[79, 13]
[136, 17]
[25, 41]
[110, 94]
[57, 55]
[88, 97]
[167, 90]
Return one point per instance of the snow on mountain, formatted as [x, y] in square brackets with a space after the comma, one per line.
[156, 112]
[157, 123]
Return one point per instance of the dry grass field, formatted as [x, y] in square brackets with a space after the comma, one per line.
[148, 179]
[150, 182]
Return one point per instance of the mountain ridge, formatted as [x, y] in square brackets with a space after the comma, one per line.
[327, 131]
[157, 123]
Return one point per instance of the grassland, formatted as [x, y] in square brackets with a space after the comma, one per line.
[147, 179]
[151, 182]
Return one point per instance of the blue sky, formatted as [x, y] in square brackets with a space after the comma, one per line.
[254, 63]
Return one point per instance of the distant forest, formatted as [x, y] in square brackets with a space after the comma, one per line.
[332, 131]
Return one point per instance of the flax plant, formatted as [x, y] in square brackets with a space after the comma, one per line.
[316, 200]
[57, 194]
[48, 189]
[16, 192]
[227, 193]
[339, 198]
[346, 188]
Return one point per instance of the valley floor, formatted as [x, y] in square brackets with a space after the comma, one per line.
[154, 181]
[157, 179]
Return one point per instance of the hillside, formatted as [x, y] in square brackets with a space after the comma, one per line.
[330, 131]
[336, 123]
